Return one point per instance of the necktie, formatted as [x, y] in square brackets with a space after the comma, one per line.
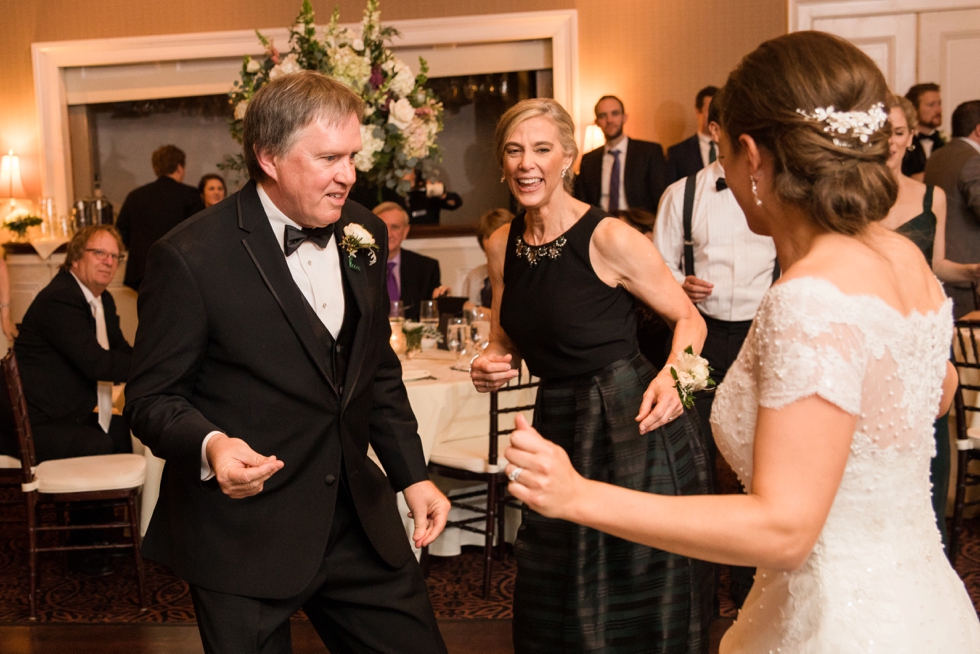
[105, 388]
[712, 153]
[486, 293]
[394, 293]
[721, 184]
[614, 183]
[293, 238]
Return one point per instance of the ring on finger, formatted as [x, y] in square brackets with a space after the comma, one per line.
[515, 473]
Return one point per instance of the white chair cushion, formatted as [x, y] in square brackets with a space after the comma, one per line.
[91, 473]
[9, 461]
[470, 454]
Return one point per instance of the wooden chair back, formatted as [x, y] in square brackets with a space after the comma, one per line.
[22, 423]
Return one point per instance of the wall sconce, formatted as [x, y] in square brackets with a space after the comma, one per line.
[11, 184]
[594, 138]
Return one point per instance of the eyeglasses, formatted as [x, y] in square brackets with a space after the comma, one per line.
[103, 254]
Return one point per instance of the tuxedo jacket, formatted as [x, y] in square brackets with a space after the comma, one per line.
[148, 213]
[914, 161]
[419, 277]
[59, 356]
[683, 159]
[225, 342]
[643, 177]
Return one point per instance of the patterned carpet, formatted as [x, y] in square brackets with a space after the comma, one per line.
[454, 586]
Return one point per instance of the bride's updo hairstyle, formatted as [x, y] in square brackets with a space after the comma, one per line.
[839, 180]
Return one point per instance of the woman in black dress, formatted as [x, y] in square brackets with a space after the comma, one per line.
[564, 278]
[920, 214]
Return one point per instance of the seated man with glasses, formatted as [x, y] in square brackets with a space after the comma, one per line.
[70, 351]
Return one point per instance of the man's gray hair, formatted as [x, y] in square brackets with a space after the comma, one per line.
[286, 105]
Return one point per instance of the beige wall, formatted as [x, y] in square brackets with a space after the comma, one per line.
[655, 54]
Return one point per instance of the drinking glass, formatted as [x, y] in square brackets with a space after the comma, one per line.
[480, 326]
[397, 311]
[456, 338]
[429, 314]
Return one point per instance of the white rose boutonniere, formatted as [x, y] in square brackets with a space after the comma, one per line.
[356, 238]
[691, 374]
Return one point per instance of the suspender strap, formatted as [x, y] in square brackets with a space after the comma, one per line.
[775, 271]
[689, 188]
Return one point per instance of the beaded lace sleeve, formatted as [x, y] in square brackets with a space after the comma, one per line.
[809, 343]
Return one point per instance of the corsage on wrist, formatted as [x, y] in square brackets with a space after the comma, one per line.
[691, 374]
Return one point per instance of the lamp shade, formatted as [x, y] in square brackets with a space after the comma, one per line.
[11, 185]
[594, 138]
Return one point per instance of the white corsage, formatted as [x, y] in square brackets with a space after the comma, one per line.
[691, 374]
[356, 238]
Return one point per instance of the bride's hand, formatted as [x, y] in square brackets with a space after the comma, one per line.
[546, 480]
[661, 403]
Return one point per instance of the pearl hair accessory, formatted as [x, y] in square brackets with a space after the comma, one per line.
[855, 124]
[755, 192]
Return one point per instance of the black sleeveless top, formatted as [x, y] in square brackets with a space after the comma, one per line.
[921, 230]
[563, 319]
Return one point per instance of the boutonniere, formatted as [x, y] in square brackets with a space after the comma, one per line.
[356, 238]
[691, 374]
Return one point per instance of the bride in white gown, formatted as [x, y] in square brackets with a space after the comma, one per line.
[827, 414]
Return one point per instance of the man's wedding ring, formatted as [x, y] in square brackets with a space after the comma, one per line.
[515, 473]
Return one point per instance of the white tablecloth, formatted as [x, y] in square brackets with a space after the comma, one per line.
[447, 408]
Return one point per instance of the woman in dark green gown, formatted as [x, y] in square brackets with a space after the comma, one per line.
[920, 214]
[565, 277]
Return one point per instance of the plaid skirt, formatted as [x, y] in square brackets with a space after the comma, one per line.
[581, 590]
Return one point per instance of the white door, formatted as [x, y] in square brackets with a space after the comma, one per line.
[890, 41]
[949, 55]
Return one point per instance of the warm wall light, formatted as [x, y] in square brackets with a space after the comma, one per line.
[11, 185]
[594, 138]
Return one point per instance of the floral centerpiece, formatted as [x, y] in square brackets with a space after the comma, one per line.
[402, 117]
[19, 222]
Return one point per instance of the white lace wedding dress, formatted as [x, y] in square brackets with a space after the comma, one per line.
[877, 579]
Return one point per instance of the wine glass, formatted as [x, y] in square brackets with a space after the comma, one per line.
[456, 338]
[429, 314]
[397, 311]
[480, 327]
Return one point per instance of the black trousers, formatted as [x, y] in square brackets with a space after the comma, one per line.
[82, 436]
[356, 602]
[721, 348]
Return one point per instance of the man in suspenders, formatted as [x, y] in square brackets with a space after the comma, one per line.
[723, 267]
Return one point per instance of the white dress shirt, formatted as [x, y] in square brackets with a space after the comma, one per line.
[316, 272]
[726, 253]
[607, 164]
[104, 388]
[704, 143]
[927, 144]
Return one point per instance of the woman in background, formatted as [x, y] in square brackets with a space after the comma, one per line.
[212, 189]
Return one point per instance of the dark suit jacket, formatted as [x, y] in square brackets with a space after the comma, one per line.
[914, 161]
[956, 169]
[59, 357]
[225, 343]
[419, 277]
[684, 159]
[148, 213]
[643, 176]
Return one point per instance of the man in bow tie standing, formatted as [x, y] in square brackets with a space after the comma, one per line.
[927, 139]
[723, 267]
[261, 373]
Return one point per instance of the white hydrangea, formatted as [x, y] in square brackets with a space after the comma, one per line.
[350, 68]
[370, 145]
[287, 66]
[419, 138]
[403, 81]
[401, 113]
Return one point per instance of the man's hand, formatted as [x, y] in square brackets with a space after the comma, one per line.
[429, 508]
[439, 291]
[240, 470]
[697, 289]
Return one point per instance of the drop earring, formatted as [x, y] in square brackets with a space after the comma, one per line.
[502, 179]
[563, 171]
[755, 192]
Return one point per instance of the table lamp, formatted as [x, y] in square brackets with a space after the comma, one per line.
[594, 138]
[11, 185]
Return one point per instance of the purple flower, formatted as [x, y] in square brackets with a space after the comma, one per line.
[377, 77]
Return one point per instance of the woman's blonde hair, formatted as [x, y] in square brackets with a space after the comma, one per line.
[544, 107]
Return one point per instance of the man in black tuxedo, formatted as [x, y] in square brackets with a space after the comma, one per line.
[262, 372]
[411, 277]
[625, 173]
[694, 153]
[70, 351]
[927, 139]
[152, 210]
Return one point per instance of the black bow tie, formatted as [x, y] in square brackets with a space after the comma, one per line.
[293, 238]
[721, 184]
[934, 137]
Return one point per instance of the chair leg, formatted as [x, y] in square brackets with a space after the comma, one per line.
[134, 526]
[488, 545]
[963, 460]
[32, 553]
[501, 525]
